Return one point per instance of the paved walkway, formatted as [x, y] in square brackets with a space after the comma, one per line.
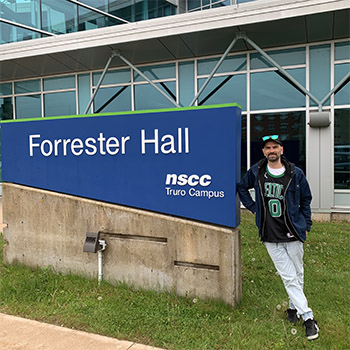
[21, 334]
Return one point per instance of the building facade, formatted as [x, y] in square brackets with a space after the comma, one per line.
[287, 63]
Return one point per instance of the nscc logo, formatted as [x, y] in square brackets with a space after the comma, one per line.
[191, 180]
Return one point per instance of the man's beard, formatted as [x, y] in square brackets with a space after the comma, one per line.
[275, 158]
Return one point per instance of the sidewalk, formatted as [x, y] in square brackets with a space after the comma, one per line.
[21, 334]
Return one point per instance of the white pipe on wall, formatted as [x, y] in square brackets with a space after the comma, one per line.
[100, 260]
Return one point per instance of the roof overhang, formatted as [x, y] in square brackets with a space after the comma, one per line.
[268, 23]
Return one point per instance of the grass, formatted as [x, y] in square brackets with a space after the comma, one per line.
[168, 321]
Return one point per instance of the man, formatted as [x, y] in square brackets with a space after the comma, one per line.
[283, 216]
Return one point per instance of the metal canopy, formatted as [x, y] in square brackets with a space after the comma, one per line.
[238, 36]
[268, 34]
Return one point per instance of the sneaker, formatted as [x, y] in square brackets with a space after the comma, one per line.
[311, 329]
[292, 315]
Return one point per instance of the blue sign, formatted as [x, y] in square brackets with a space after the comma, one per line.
[183, 162]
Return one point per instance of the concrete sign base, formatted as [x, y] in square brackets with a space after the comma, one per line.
[144, 249]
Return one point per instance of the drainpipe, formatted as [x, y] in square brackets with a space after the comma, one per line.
[102, 244]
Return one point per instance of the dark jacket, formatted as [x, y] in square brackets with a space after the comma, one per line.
[297, 198]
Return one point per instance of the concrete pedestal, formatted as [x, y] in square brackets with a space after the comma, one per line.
[144, 249]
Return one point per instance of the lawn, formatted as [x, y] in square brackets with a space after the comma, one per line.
[168, 321]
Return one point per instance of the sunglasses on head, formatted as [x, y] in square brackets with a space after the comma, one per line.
[270, 137]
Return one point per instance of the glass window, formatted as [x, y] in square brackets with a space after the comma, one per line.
[124, 10]
[230, 89]
[244, 146]
[208, 4]
[142, 9]
[282, 57]
[28, 106]
[167, 10]
[122, 76]
[59, 83]
[9, 34]
[60, 103]
[146, 9]
[114, 99]
[59, 17]
[98, 4]
[320, 72]
[230, 64]
[342, 51]
[342, 97]
[186, 82]
[22, 11]
[6, 108]
[342, 149]
[270, 90]
[160, 9]
[164, 71]
[91, 20]
[291, 128]
[5, 89]
[83, 92]
[27, 86]
[216, 3]
[193, 4]
[6, 33]
[147, 97]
